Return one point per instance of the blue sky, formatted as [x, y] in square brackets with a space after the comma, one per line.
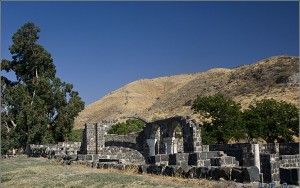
[101, 46]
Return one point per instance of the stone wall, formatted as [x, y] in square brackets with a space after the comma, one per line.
[269, 167]
[289, 161]
[242, 152]
[289, 148]
[128, 141]
[115, 154]
[280, 148]
[94, 138]
[53, 150]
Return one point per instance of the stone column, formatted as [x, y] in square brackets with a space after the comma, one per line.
[151, 144]
[175, 145]
[90, 139]
[256, 156]
[169, 143]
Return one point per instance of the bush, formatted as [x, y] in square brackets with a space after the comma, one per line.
[272, 121]
[130, 126]
[75, 135]
[224, 119]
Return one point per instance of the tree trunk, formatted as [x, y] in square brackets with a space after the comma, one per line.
[33, 95]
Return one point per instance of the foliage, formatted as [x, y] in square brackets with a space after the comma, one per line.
[224, 119]
[38, 107]
[75, 135]
[272, 120]
[130, 126]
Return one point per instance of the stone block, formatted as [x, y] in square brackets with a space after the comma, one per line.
[225, 173]
[192, 173]
[245, 174]
[169, 170]
[155, 169]
[213, 154]
[205, 148]
[178, 159]
[207, 163]
[81, 157]
[89, 157]
[193, 158]
[202, 172]
[143, 169]
[236, 174]
[214, 173]
[216, 161]
[289, 176]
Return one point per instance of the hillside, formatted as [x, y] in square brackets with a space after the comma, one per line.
[276, 77]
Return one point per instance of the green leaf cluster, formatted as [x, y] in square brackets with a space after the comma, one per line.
[130, 126]
[272, 121]
[224, 118]
[37, 107]
[267, 119]
[75, 136]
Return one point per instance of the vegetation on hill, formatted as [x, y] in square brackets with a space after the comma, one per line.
[151, 99]
[267, 119]
[130, 126]
[37, 107]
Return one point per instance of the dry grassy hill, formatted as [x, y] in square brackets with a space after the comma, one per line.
[276, 77]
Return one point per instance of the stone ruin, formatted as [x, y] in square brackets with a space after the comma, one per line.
[173, 146]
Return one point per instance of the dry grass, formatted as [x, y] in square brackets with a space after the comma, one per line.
[39, 172]
[168, 96]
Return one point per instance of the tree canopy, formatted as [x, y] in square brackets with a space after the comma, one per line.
[130, 126]
[37, 107]
[272, 120]
[268, 119]
[224, 118]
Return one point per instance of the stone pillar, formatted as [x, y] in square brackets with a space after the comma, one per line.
[175, 145]
[90, 139]
[197, 141]
[100, 130]
[169, 143]
[151, 144]
[256, 156]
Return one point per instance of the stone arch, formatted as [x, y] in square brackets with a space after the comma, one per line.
[191, 135]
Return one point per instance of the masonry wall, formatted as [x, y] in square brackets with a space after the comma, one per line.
[114, 154]
[242, 152]
[128, 141]
[288, 161]
[269, 167]
[289, 148]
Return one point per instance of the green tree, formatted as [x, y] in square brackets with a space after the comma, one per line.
[272, 121]
[130, 126]
[38, 107]
[224, 119]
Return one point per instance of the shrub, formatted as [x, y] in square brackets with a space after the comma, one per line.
[130, 126]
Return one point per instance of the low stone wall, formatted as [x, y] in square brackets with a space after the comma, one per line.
[115, 154]
[51, 150]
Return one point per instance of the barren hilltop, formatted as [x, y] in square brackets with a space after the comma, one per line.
[275, 77]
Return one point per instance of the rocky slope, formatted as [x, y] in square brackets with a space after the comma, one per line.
[276, 77]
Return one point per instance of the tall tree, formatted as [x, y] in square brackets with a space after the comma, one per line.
[224, 118]
[272, 121]
[38, 107]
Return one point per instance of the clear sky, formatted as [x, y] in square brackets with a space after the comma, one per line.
[101, 46]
